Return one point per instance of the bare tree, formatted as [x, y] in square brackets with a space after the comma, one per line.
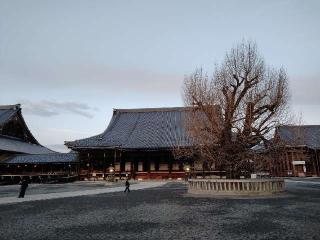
[235, 109]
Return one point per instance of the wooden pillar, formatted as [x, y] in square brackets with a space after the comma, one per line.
[147, 163]
[287, 163]
[170, 159]
[121, 167]
[123, 164]
[317, 163]
[156, 163]
[90, 163]
[135, 165]
[104, 166]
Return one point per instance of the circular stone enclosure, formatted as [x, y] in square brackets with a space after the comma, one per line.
[236, 187]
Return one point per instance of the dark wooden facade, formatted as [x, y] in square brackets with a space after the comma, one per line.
[302, 151]
[298, 161]
[102, 164]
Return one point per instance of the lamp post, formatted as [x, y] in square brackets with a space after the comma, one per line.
[104, 166]
[88, 165]
[187, 171]
[111, 171]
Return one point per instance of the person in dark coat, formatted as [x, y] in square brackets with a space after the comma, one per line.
[127, 186]
[24, 185]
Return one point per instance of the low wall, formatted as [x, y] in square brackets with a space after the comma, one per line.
[236, 186]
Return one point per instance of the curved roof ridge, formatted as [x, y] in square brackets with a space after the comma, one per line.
[16, 139]
[8, 112]
[16, 145]
[164, 109]
[111, 124]
[26, 127]
[97, 136]
[307, 125]
[12, 107]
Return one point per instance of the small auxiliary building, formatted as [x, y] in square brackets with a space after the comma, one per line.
[137, 143]
[302, 155]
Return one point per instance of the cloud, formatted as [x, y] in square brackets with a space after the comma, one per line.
[305, 90]
[47, 108]
[58, 148]
[90, 77]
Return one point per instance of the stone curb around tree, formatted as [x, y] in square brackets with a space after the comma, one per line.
[236, 187]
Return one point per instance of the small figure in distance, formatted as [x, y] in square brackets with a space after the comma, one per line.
[127, 186]
[24, 185]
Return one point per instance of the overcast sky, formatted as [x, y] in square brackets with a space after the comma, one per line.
[69, 62]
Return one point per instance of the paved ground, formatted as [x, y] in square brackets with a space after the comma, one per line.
[314, 180]
[45, 192]
[167, 212]
[13, 190]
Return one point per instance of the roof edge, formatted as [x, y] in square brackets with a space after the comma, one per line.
[13, 107]
[164, 109]
[294, 126]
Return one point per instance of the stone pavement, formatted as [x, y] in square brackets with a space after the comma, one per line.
[46, 196]
[307, 180]
[166, 212]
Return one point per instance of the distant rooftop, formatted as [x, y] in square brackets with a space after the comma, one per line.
[55, 158]
[306, 135]
[16, 145]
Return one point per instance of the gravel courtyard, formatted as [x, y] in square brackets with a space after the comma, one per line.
[167, 212]
[13, 190]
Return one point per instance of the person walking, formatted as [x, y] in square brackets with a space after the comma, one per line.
[24, 185]
[127, 186]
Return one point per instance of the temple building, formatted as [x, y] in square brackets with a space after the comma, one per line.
[302, 151]
[15, 137]
[22, 155]
[138, 143]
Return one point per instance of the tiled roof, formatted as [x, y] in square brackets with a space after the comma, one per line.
[148, 128]
[43, 158]
[16, 145]
[7, 112]
[307, 135]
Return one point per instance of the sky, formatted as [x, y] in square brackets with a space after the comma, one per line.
[70, 62]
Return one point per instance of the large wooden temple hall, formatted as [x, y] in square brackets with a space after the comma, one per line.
[21, 155]
[138, 143]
